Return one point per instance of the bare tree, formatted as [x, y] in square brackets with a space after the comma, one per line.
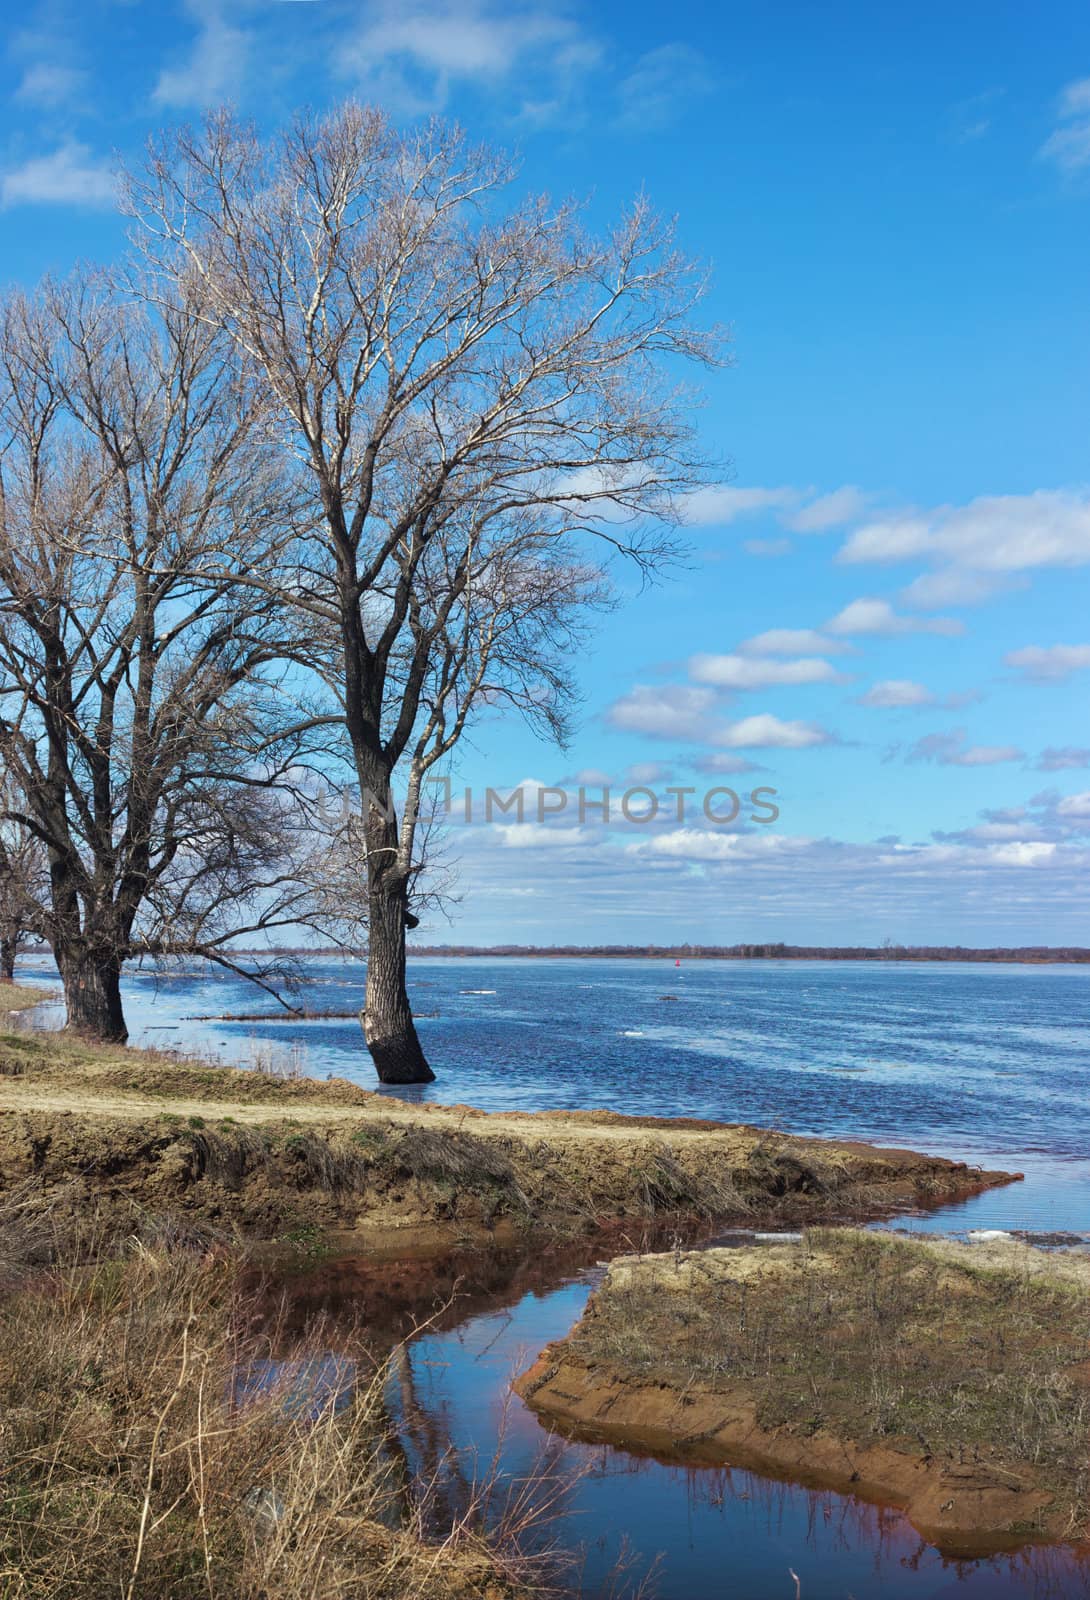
[335, 868]
[145, 719]
[23, 878]
[481, 400]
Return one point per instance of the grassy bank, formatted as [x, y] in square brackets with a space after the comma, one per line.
[249, 1152]
[161, 1441]
[21, 997]
[954, 1380]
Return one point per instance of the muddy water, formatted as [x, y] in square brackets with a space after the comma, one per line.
[689, 1533]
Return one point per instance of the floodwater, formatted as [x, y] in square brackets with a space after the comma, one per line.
[688, 1533]
[987, 1063]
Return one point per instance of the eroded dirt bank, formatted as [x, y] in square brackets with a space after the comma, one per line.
[138, 1132]
[950, 1380]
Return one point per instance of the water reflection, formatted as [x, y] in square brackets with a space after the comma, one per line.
[480, 1317]
[304, 1389]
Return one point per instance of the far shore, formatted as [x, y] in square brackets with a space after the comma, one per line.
[1025, 955]
[1075, 956]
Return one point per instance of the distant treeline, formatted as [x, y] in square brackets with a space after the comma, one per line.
[701, 952]
[770, 952]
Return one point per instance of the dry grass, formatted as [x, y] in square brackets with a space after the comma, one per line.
[160, 1442]
[21, 996]
[872, 1337]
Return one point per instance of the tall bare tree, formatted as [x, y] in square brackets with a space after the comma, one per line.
[482, 401]
[144, 713]
[23, 878]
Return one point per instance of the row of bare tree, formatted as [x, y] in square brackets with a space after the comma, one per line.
[338, 461]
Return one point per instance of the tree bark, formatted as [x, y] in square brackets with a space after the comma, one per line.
[8, 948]
[387, 1016]
[92, 995]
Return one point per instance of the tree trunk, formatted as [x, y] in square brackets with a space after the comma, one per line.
[387, 1017]
[8, 946]
[92, 994]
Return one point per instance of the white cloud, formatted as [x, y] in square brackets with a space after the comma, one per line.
[70, 175]
[531, 835]
[49, 84]
[704, 844]
[1075, 805]
[718, 504]
[767, 731]
[754, 672]
[993, 832]
[829, 511]
[954, 750]
[1075, 98]
[725, 766]
[992, 534]
[1049, 663]
[1062, 758]
[792, 642]
[973, 857]
[895, 693]
[669, 711]
[1024, 853]
[987, 886]
[1069, 144]
[416, 50]
[216, 64]
[799, 510]
[955, 586]
[648, 772]
[987, 755]
[871, 616]
[663, 83]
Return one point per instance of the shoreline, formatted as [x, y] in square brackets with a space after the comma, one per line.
[909, 955]
[321, 1182]
[261, 1155]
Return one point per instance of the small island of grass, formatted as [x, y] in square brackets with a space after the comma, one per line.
[951, 1380]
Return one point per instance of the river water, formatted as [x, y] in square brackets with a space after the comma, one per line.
[987, 1063]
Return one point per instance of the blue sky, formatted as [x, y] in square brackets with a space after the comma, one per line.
[884, 615]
